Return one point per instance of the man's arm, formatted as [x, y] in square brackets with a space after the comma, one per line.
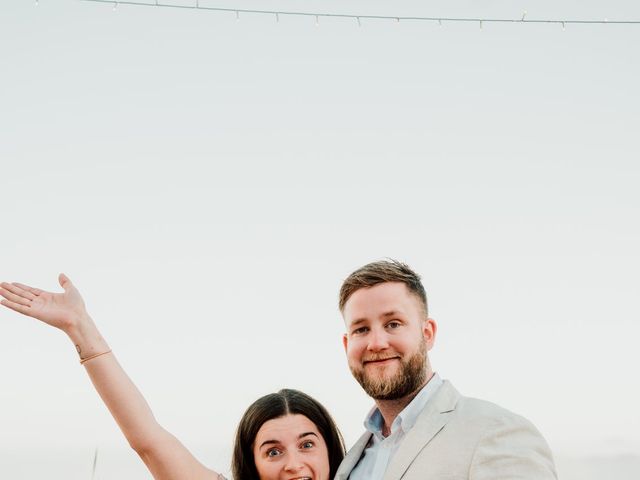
[512, 450]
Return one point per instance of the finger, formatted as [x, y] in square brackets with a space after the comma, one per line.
[14, 298]
[17, 290]
[65, 282]
[35, 291]
[17, 307]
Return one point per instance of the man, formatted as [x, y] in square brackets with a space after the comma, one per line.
[421, 427]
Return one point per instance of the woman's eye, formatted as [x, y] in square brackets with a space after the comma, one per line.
[274, 452]
[308, 444]
[393, 325]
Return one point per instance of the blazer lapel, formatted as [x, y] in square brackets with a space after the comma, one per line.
[433, 418]
[352, 457]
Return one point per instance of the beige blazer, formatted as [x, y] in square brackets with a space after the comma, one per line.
[458, 438]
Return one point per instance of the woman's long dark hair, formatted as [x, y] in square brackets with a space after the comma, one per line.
[275, 405]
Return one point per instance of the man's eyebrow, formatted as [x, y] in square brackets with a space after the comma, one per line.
[357, 322]
[390, 313]
[273, 441]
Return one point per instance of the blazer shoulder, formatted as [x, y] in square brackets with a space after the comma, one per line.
[477, 411]
[475, 407]
[508, 445]
[481, 415]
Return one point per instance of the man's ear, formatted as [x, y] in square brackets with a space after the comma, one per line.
[429, 330]
[345, 342]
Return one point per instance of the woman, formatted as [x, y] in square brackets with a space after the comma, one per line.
[282, 435]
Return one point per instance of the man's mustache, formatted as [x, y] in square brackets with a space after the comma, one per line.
[379, 358]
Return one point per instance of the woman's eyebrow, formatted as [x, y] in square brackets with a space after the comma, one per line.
[268, 442]
[302, 435]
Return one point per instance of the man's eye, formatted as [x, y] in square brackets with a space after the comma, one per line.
[360, 331]
[274, 452]
[393, 325]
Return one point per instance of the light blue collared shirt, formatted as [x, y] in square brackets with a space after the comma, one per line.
[380, 450]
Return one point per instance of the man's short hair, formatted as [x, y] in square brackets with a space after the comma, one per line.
[381, 272]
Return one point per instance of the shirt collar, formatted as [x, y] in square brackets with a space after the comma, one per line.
[408, 416]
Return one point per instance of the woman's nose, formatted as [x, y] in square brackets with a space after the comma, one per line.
[294, 462]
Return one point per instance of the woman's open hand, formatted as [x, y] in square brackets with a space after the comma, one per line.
[60, 310]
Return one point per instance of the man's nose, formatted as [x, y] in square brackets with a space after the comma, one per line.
[378, 340]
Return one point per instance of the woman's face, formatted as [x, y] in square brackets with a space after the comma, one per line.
[291, 447]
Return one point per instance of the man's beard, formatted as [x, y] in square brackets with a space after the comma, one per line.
[412, 375]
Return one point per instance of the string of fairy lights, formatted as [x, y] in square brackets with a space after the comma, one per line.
[359, 18]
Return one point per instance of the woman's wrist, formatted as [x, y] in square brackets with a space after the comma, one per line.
[86, 337]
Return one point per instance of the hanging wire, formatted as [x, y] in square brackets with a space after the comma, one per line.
[439, 20]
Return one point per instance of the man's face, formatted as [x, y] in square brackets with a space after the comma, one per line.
[388, 336]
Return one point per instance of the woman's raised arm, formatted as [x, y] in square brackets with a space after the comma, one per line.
[165, 457]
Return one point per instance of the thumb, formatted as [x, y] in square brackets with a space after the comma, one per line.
[64, 282]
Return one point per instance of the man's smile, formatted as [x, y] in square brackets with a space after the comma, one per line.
[380, 361]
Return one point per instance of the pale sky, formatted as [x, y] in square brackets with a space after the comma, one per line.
[209, 183]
